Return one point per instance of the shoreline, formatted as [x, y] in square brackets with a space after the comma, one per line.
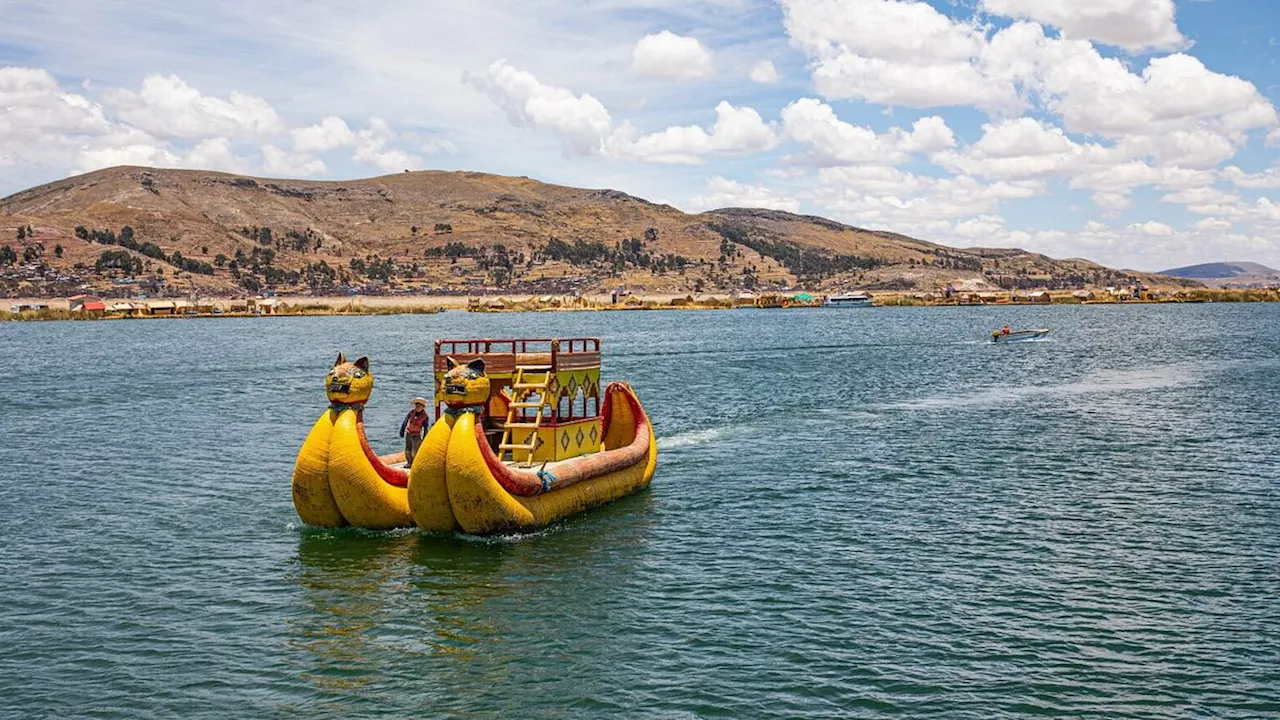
[295, 306]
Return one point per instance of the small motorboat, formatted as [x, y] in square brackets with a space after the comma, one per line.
[1012, 336]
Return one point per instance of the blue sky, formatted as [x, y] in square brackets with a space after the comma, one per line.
[1139, 133]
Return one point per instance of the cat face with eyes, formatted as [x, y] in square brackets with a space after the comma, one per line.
[465, 384]
[349, 383]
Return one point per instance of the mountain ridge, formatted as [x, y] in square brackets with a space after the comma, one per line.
[1228, 274]
[441, 231]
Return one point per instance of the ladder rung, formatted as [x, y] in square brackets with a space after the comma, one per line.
[521, 425]
[526, 404]
[533, 368]
[511, 446]
[530, 386]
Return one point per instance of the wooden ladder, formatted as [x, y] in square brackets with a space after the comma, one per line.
[521, 388]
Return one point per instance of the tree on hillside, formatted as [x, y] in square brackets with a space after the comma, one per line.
[220, 260]
[31, 254]
[57, 251]
[8, 256]
[22, 233]
[121, 260]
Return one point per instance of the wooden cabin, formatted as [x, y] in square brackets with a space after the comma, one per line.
[544, 395]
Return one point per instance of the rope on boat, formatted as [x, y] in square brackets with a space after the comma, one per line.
[547, 477]
[339, 407]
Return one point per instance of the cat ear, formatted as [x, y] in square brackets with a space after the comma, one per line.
[363, 364]
[450, 363]
[341, 359]
[477, 365]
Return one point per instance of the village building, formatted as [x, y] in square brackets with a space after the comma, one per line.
[86, 303]
[28, 307]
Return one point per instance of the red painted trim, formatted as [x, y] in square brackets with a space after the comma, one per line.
[527, 483]
[390, 475]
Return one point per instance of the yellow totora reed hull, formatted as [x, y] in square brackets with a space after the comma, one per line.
[336, 483]
[485, 496]
[428, 491]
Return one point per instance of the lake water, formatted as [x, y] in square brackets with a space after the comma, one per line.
[856, 513]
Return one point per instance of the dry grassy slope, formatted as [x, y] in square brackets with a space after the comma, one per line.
[200, 213]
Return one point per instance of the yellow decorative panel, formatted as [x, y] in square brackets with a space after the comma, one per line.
[567, 440]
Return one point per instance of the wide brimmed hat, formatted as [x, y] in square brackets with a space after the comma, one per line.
[417, 400]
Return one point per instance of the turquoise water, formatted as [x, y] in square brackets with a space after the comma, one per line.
[856, 513]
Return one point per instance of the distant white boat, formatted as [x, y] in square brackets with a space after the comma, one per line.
[849, 300]
[1018, 336]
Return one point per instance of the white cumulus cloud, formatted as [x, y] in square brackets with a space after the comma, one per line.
[832, 141]
[723, 192]
[895, 53]
[1130, 24]
[764, 72]
[667, 55]
[581, 121]
[1268, 179]
[736, 130]
[1151, 227]
[167, 107]
[279, 163]
[585, 126]
[371, 146]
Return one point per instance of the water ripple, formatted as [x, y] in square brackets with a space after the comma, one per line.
[855, 514]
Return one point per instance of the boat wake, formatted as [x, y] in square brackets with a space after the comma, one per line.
[1102, 382]
[692, 437]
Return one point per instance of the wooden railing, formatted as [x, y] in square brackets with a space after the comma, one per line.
[502, 356]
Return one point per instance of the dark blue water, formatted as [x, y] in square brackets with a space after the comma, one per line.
[856, 513]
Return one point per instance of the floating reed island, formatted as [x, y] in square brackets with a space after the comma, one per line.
[85, 307]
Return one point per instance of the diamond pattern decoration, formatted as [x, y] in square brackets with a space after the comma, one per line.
[581, 436]
[594, 435]
[564, 441]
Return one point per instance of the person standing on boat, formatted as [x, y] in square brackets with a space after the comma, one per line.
[414, 428]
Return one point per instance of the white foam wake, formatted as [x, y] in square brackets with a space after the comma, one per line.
[692, 437]
[1103, 382]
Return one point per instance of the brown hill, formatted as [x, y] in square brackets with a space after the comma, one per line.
[197, 231]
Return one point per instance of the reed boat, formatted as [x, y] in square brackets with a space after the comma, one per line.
[1018, 335]
[524, 435]
[337, 479]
